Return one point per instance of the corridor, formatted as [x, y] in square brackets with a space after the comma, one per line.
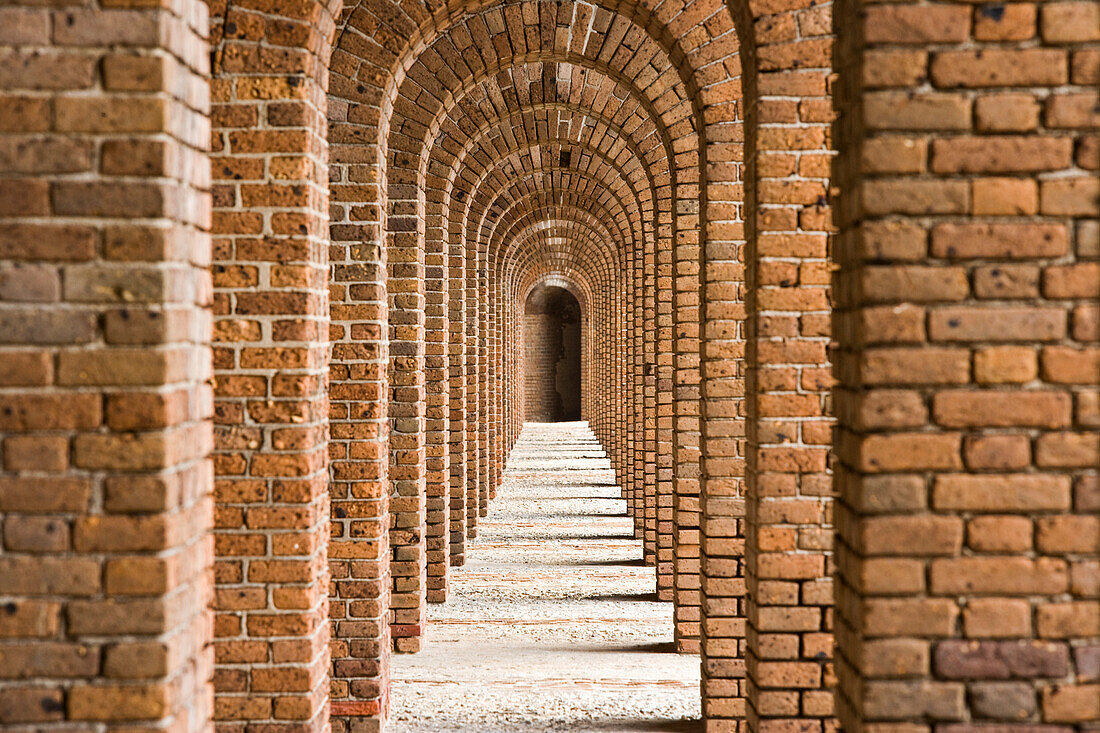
[283, 282]
[553, 623]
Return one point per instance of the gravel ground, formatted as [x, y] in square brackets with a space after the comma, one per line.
[553, 623]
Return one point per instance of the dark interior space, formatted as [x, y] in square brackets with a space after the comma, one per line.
[552, 324]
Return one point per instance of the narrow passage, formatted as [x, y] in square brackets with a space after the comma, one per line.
[553, 623]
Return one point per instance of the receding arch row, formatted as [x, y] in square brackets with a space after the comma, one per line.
[421, 33]
[551, 256]
[370, 233]
[341, 278]
[557, 258]
[481, 461]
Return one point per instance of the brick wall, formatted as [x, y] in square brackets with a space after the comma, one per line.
[105, 487]
[966, 311]
[542, 340]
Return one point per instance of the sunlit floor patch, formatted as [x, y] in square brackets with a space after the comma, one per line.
[553, 623]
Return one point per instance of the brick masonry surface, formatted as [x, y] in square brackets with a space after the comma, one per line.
[266, 269]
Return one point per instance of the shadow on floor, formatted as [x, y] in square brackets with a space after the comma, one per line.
[645, 726]
[660, 647]
[637, 562]
[625, 597]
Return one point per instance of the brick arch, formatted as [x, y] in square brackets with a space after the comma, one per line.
[606, 366]
[551, 255]
[469, 200]
[572, 251]
[500, 446]
[700, 13]
[636, 15]
[686, 314]
[532, 217]
[581, 284]
[452, 166]
[361, 151]
[651, 517]
[637, 492]
[551, 260]
[575, 283]
[483, 247]
[543, 54]
[407, 372]
[571, 229]
[484, 254]
[563, 280]
[535, 250]
[641, 331]
[481, 207]
[398, 37]
[492, 235]
[612, 86]
[598, 171]
[600, 125]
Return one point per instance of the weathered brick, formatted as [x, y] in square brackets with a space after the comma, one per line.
[1000, 659]
[999, 68]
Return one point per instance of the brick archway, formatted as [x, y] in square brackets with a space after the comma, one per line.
[332, 294]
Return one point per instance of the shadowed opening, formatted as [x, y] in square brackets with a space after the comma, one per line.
[552, 338]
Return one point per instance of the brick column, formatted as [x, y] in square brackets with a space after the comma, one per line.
[437, 410]
[788, 511]
[663, 371]
[359, 551]
[628, 416]
[967, 517]
[473, 406]
[504, 382]
[458, 375]
[686, 404]
[105, 485]
[271, 356]
[483, 447]
[648, 407]
[405, 287]
[633, 318]
[496, 381]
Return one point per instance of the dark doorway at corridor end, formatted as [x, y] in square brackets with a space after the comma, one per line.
[552, 358]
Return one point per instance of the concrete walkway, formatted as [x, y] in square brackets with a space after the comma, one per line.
[553, 623]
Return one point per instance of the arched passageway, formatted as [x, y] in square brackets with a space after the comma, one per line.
[552, 356]
[264, 271]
